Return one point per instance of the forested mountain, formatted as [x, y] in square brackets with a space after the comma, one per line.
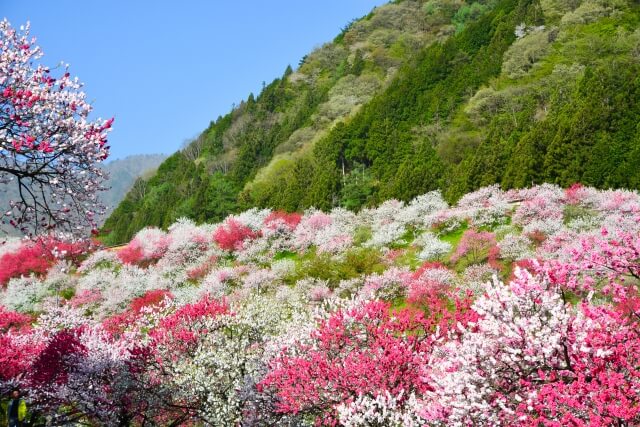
[420, 95]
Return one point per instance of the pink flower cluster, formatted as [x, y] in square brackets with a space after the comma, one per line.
[232, 234]
[37, 256]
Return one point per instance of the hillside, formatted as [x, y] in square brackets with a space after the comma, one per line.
[513, 308]
[418, 96]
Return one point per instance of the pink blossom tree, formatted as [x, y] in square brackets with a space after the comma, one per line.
[363, 351]
[476, 246]
[531, 359]
[49, 149]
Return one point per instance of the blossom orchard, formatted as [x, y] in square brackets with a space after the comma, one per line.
[514, 307]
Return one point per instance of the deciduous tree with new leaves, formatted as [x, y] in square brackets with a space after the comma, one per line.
[50, 150]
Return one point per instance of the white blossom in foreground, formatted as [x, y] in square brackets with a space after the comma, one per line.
[521, 327]
[383, 410]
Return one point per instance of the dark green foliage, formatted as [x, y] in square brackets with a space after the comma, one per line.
[427, 91]
[357, 188]
[468, 12]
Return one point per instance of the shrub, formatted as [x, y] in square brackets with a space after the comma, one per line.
[232, 234]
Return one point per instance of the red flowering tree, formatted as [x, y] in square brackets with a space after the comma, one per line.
[38, 256]
[49, 149]
[362, 351]
[290, 220]
[232, 234]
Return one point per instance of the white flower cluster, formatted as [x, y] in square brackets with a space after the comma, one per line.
[104, 258]
[521, 327]
[515, 247]
[432, 247]
[10, 245]
[153, 242]
[476, 277]
[385, 223]
[337, 236]
[382, 410]
[253, 218]
[420, 212]
[387, 286]
[26, 294]
[486, 206]
[523, 29]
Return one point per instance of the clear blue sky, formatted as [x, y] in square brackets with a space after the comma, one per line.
[166, 69]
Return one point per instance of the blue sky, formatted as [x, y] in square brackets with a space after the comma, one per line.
[166, 69]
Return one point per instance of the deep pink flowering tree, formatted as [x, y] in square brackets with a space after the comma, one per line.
[231, 235]
[367, 350]
[49, 149]
[179, 329]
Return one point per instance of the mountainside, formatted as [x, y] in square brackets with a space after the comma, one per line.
[416, 96]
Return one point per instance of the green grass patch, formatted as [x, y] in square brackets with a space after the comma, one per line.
[354, 263]
[408, 259]
[572, 212]
[285, 255]
[361, 235]
[453, 237]
[68, 293]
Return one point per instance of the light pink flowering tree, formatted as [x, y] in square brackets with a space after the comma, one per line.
[49, 149]
[531, 360]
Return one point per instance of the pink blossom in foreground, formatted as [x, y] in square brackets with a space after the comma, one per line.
[49, 149]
